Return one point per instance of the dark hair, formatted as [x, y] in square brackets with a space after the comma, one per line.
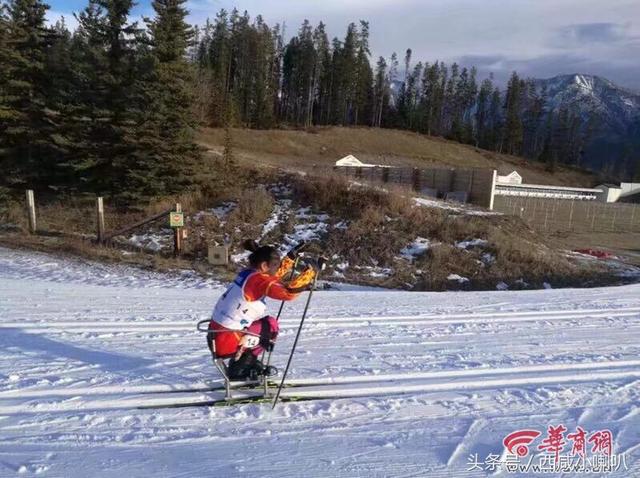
[259, 253]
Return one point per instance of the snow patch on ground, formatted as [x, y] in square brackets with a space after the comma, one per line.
[155, 242]
[488, 258]
[240, 257]
[219, 212]
[457, 278]
[277, 216]
[418, 247]
[471, 243]
[222, 211]
[309, 227]
[375, 271]
[437, 204]
[459, 209]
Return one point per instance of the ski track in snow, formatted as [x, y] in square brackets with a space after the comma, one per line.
[409, 384]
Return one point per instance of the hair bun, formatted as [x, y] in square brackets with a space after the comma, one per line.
[250, 245]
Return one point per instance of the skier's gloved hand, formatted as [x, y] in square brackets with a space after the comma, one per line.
[294, 251]
[298, 290]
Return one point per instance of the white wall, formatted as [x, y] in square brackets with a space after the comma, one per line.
[629, 188]
[609, 194]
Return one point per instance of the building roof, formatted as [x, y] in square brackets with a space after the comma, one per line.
[349, 160]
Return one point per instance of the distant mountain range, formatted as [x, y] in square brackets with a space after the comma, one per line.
[614, 111]
[613, 146]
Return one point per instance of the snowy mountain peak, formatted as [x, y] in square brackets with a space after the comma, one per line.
[585, 82]
[612, 111]
[592, 95]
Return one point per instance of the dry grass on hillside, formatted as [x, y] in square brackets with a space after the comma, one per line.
[323, 146]
[382, 224]
[366, 228]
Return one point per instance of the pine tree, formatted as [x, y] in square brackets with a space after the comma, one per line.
[469, 99]
[364, 76]
[482, 113]
[110, 104]
[547, 156]
[495, 120]
[538, 114]
[28, 146]
[430, 97]
[61, 93]
[323, 72]
[380, 93]
[265, 89]
[348, 75]
[165, 152]
[5, 110]
[402, 105]
[513, 127]
[413, 96]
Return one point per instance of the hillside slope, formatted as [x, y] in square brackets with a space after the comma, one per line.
[323, 146]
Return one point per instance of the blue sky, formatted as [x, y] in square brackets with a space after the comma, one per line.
[540, 38]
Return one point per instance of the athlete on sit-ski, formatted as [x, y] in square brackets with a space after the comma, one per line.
[243, 329]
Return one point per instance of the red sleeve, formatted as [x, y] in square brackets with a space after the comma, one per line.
[259, 285]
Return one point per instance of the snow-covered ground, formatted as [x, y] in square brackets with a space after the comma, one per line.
[83, 346]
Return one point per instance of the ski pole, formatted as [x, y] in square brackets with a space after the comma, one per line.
[295, 342]
[291, 273]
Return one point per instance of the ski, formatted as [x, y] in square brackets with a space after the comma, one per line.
[241, 386]
[295, 383]
[214, 388]
[223, 402]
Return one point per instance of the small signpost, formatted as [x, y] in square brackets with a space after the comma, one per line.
[176, 221]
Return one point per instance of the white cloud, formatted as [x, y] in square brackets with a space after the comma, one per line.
[529, 34]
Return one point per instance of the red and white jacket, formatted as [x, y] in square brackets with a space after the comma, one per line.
[245, 300]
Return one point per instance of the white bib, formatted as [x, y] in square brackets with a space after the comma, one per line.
[233, 311]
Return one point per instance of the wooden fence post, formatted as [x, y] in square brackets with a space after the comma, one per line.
[100, 219]
[177, 235]
[31, 211]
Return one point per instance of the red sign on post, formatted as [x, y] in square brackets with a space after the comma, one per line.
[176, 219]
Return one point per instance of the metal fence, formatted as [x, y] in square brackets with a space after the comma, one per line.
[571, 215]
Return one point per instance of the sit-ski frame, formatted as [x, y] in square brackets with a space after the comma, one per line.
[220, 364]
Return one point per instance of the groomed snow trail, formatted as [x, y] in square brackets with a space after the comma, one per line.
[404, 384]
